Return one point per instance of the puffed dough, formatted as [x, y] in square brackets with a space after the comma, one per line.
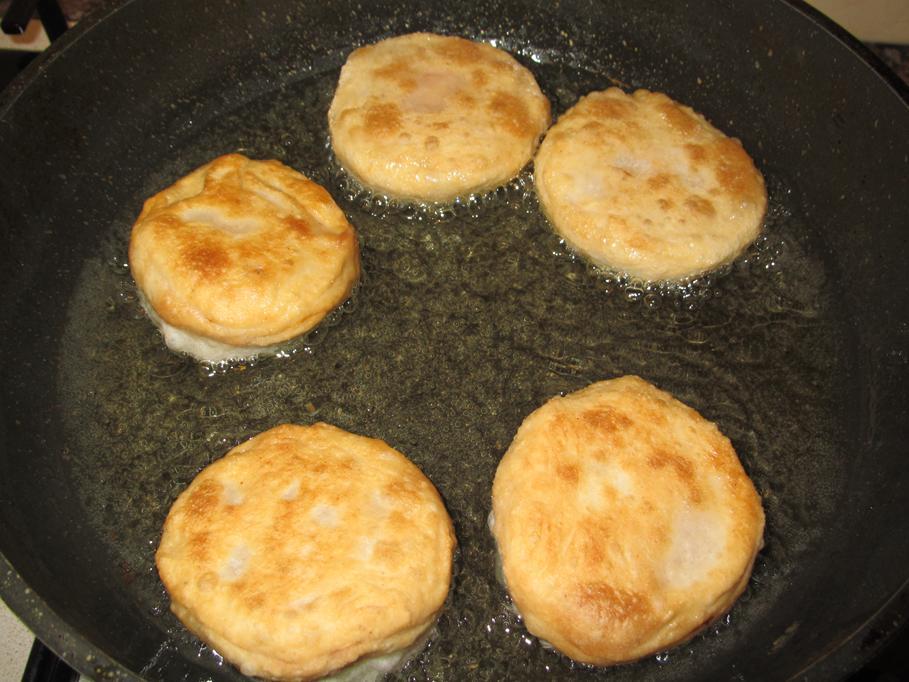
[426, 117]
[645, 186]
[241, 255]
[624, 521]
[305, 549]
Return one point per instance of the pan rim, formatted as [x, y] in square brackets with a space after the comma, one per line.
[53, 630]
[24, 79]
[82, 654]
[20, 84]
[899, 87]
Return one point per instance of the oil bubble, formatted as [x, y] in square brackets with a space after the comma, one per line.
[633, 293]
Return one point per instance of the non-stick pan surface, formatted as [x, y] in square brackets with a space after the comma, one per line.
[466, 319]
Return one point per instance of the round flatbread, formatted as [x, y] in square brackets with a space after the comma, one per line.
[305, 549]
[241, 255]
[624, 521]
[646, 187]
[425, 117]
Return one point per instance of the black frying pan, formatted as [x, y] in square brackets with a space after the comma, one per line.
[466, 320]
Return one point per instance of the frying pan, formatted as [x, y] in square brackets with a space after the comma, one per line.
[467, 318]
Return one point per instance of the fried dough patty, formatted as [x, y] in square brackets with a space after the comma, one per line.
[241, 255]
[624, 521]
[305, 549]
[645, 186]
[428, 118]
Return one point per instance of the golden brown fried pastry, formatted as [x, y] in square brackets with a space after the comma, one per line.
[645, 186]
[428, 118]
[624, 521]
[305, 549]
[241, 255]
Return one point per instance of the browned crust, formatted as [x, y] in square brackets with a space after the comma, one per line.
[243, 252]
[646, 186]
[306, 548]
[624, 520]
[427, 117]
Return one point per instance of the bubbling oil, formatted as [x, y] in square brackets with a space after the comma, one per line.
[517, 189]
[468, 317]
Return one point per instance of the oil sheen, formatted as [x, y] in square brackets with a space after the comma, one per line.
[468, 317]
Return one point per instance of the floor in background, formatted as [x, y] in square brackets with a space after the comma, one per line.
[17, 642]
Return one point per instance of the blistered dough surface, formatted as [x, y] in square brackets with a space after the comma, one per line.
[306, 548]
[646, 187]
[429, 118]
[242, 253]
[624, 521]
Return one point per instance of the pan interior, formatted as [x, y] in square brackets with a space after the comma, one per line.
[467, 318]
[464, 323]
